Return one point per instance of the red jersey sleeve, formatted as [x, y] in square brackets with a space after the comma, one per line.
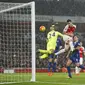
[69, 29]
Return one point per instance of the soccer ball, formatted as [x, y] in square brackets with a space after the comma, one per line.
[42, 28]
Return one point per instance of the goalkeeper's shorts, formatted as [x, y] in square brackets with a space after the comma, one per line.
[51, 46]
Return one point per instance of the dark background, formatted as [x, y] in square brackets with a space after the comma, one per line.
[16, 1]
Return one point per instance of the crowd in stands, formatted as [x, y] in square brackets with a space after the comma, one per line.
[15, 50]
[60, 8]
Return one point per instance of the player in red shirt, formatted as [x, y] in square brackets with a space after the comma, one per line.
[68, 37]
[81, 52]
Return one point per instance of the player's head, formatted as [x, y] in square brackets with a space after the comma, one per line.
[69, 20]
[52, 27]
[75, 38]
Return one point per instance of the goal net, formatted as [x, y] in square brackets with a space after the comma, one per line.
[17, 42]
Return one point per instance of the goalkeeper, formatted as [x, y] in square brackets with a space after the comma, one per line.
[51, 42]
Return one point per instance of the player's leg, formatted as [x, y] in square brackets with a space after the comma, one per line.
[72, 59]
[68, 68]
[80, 66]
[77, 69]
[43, 51]
[55, 57]
[50, 50]
[75, 59]
[46, 55]
[71, 45]
[81, 63]
[78, 63]
[54, 65]
[43, 56]
[47, 50]
[63, 50]
[68, 43]
[52, 61]
[50, 64]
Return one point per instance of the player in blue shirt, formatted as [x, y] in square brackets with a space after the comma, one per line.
[52, 59]
[74, 58]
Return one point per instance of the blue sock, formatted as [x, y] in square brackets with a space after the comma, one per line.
[49, 66]
[69, 71]
[54, 67]
[82, 67]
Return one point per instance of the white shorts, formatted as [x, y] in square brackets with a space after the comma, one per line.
[67, 38]
[81, 61]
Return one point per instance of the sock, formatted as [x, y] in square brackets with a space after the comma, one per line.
[61, 51]
[54, 67]
[76, 70]
[69, 71]
[71, 45]
[79, 69]
[82, 67]
[49, 66]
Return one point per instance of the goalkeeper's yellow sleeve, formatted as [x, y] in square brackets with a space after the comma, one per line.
[59, 34]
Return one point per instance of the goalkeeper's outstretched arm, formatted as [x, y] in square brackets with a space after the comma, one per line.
[59, 34]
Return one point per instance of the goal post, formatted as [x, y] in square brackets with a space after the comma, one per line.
[33, 41]
[17, 43]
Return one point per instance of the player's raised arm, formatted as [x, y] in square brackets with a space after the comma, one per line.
[59, 34]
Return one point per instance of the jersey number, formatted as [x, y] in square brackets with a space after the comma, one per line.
[53, 34]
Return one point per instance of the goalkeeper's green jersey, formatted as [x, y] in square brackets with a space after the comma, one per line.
[52, 37]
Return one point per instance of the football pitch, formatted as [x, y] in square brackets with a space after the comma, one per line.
[55, 79]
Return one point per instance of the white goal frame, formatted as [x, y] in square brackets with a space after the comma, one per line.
[32, 4]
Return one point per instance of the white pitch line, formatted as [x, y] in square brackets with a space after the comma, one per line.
[7, 83]
[47, 82]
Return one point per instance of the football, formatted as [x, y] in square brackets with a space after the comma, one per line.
[42, 28]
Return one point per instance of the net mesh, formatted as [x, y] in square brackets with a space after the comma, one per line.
[15, 43]
[4, 6]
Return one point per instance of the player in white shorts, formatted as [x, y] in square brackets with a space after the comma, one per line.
[68, 37]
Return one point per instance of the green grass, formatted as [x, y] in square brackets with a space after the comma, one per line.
[44, 79]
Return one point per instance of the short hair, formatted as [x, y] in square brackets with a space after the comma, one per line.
[54, 24]
[69, 20]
